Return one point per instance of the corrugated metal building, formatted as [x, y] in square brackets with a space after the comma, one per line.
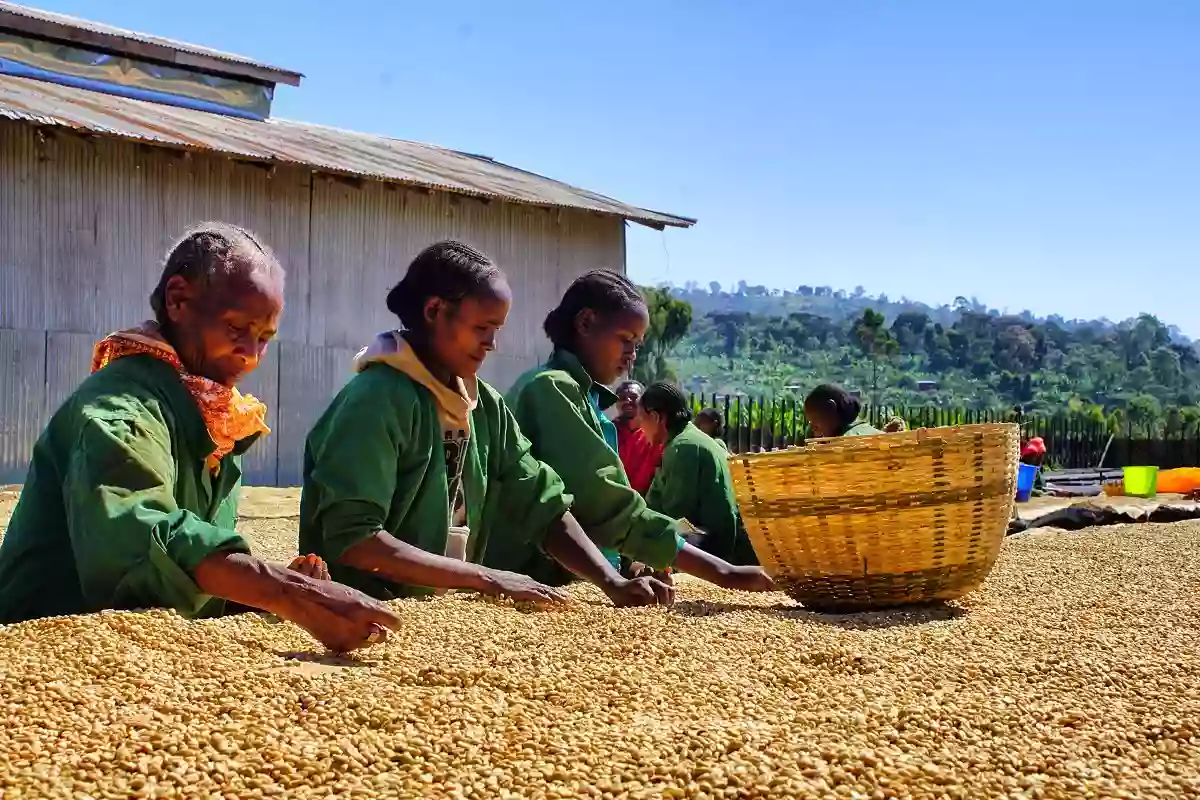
[112, 143]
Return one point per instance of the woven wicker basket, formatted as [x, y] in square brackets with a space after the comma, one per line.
[866, 522]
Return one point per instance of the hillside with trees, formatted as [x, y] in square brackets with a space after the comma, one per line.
[905, 353]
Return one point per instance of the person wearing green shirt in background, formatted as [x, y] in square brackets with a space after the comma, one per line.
[415, 447]
[832, 411]
[693, 482]
[595, 331]
[711, 422]
[132, 491]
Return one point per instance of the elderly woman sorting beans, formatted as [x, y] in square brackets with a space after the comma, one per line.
[132, 491]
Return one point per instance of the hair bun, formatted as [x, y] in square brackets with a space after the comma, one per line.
[670, 401]
[394, 298]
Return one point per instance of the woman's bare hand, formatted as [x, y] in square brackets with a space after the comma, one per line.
[516, 586]
[341, 618]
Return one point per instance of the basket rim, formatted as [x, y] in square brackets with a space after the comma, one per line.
[882, 441]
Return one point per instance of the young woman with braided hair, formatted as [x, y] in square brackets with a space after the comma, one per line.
[693, 482]
[416, 447]
[832, 411]
[596, 331]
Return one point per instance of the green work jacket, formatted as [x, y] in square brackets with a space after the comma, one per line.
[375, 462]
[118, 507]
[551, 405]
[861, 429]
[693, 482]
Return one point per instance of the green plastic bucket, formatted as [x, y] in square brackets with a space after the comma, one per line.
[1141, 481]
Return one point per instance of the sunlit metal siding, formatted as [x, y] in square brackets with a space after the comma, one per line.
[90, 220]
[68, 362]
[260, 465]
[86, 223]
[22, 399]
[22, 287]
[363, 238]
[86, 264]
[309, 377]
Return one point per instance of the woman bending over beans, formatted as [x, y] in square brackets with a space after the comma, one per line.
[560, 405]
[416, 455]
[132, 493]
[693, 482]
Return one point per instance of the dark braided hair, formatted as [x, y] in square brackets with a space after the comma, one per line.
[668, 400]
[448, 270]
[601, 290]
[208, 251]
[846, 406]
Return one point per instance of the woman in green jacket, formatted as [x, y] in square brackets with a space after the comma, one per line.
[416, 455]
[832, 411]
[132, 494]
[712, 422]
[562, 407]
[693, 482]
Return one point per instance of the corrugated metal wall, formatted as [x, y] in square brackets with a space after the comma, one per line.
[84, 224]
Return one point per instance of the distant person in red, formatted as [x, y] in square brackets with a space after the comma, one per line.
[1034, 452]
[638, 455]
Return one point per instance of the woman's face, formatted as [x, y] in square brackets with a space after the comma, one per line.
[630, 394]
[221, 331]
[463, 333]
[651, 424]
[608, 343]
[822, 418]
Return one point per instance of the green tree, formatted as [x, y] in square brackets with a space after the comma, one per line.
[1189, 420]
[876, 342]
[732, 331]
[1144, 411]
[1015, 350]
[1167, 366]
[670, 320]
[910, 328]
[968, 357]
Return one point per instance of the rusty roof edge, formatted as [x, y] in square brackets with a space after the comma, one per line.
[651, 219]
[49, 24]
[275, 120]
[677, 221]
[684, 222]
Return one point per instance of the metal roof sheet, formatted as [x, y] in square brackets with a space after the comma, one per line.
[47, 24]
[321, 148]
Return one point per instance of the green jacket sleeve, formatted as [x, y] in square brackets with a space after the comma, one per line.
[353, 470]
[134, 547]
[551, 412]
[529, 490]
[690, 484]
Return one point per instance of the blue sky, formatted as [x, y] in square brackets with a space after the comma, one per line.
[1038, 155]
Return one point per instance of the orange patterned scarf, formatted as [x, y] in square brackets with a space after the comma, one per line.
[229, 415]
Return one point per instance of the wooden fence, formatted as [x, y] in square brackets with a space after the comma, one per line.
[1072, 441]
